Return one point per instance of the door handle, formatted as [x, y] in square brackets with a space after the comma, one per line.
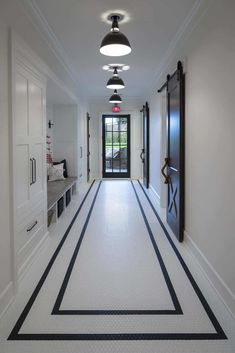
[141, 155]
[34, 170]
[31, 171]
[166, 181]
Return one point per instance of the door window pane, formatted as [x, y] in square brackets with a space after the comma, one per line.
[123, 166]
[123, 139]
[116, 139]
[108, 144]
[108, 124]
[116, 124]
[123, 124]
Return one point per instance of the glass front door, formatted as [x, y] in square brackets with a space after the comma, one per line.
[116, 146]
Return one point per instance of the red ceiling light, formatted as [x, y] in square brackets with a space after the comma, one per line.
[116, 108]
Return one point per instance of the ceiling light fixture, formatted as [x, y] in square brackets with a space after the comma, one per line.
[115, 43]
[115, 98]
[116, 108]
[115, 82]
[120, 67]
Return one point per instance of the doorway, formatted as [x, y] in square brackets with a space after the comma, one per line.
[116, 146]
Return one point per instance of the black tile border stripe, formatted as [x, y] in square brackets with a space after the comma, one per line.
[177, 308]
[219, 335]
[220, 332]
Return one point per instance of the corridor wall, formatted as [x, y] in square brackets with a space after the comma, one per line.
[207, 50]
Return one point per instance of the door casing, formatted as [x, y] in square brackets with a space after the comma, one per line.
[116, 175]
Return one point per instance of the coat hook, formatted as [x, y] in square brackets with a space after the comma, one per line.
[50, 124]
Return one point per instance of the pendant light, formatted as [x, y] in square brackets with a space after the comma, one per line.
[115, 82]
[115, 43]
[115, 98]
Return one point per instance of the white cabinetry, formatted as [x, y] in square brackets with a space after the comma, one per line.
[29, 160]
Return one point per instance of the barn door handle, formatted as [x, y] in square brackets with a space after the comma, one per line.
[166, 181]
[141, 155]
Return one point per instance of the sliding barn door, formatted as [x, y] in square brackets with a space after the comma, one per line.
[174, 178]
[145, 150]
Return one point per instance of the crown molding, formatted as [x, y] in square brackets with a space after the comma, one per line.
[42, 26]
[191, 21]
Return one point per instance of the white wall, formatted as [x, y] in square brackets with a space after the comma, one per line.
[209, 60]
[96, 110]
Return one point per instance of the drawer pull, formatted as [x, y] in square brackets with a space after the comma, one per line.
[29, 229]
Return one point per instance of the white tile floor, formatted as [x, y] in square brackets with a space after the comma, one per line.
[116, 285]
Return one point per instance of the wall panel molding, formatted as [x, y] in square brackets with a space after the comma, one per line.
[225, 293]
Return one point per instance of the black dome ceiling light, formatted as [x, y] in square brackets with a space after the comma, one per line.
[115, 43]
[115, 82]
[115, 98]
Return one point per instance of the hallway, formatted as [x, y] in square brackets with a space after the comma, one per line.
[116, 276]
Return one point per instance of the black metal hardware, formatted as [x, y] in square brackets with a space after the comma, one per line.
[29, 229]
[50, 124]
[34, 170]
[141, 155]
[163, 173]
[31, 171]
[162, 87]
[179, 67]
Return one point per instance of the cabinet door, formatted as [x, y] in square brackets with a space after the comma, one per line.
[22, 164]
[36, 104]
[36, 108]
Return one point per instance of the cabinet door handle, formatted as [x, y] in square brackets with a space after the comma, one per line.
[34, 170]
[31, 171]
[30, 228]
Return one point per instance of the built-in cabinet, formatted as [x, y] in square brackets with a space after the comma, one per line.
[29, 160]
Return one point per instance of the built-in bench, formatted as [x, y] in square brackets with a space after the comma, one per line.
[59, 194]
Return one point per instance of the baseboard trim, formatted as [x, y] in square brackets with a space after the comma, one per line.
[225, 293]
[6, 298]
[158, 199]
[32, 257]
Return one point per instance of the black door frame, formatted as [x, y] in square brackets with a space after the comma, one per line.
[145, 150]
[117, 175]
[88, 118]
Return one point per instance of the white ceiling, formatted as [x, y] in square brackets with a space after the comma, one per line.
[79, 27]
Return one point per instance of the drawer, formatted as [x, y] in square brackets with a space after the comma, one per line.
[31, 226]
[22, 219]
